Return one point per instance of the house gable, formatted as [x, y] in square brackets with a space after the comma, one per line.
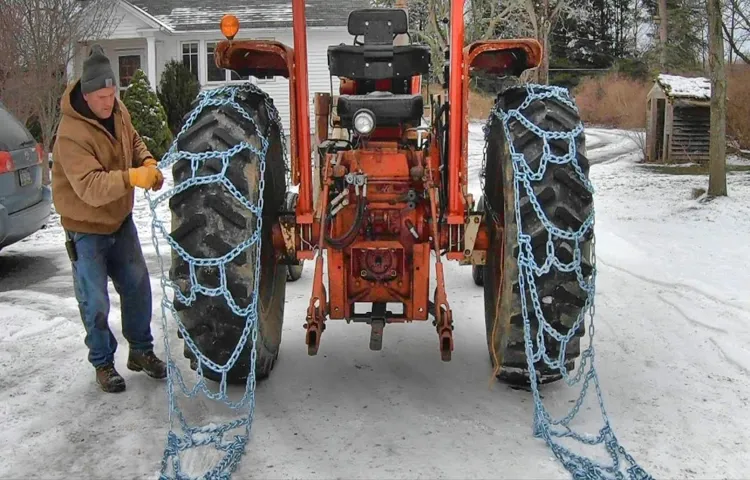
[131, 22]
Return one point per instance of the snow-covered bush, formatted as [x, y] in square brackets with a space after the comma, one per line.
[149, 117]
[177, 90]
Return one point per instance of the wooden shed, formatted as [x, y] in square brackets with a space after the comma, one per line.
[678, 120]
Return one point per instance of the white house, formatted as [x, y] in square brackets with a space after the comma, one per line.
[149, 33]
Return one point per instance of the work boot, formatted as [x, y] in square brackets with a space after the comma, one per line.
[108, 379]
[147, 362]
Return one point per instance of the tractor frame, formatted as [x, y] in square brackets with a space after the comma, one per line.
[393, 173]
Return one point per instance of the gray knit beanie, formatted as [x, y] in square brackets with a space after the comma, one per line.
[97, 71]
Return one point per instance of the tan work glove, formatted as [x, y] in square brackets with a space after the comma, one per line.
[150, 162]
[144, 177]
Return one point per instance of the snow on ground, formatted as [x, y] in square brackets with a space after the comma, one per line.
[737, 160]
[672, 336]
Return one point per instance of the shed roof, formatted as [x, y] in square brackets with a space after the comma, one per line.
[698, 88]
[190, 15]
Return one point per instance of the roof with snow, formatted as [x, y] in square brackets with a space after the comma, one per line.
[190, 15]
[698, 88]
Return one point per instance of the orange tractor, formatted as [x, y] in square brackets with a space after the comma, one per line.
[382, 196]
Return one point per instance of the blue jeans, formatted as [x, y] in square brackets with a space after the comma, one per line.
[119, 257]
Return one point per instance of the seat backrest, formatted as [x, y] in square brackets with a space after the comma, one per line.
[378, 25]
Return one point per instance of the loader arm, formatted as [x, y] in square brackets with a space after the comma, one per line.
[496, 56]
[270, 58]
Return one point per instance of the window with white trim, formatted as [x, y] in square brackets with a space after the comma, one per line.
[127, 66]
[213, 73]
[190, 57]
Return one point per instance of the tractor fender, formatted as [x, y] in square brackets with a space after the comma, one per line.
[503, 57]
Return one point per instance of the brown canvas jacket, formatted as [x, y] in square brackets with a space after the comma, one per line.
[91, 190]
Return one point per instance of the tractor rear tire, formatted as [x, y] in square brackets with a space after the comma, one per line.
[208, 222]
[294, 272]
[477, 274]
[567, 203]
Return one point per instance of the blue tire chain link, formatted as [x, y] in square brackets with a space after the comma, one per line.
[212, 434]
[544, 426]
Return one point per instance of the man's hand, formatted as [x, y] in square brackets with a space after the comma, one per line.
[145, 177]
[159, 180]
[150, 162]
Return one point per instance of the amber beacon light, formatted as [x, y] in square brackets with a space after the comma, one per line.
[230, 26]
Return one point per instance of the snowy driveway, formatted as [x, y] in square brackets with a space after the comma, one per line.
[673, 329]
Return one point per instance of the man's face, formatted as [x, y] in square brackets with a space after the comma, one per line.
[101, 101]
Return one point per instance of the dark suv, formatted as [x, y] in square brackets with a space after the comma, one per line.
[25, 204]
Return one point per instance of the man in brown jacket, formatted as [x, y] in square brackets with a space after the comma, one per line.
[99, 160]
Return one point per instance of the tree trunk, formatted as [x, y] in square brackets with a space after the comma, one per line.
[544, 40]
[544, 68]
[731, 33]
[401, 39]
[663, 22]
[544, 74]
[717, 177]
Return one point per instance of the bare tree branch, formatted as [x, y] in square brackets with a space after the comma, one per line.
[730, 40]
[436, 28]
[500, 17]
[39, 38]
[739, 32]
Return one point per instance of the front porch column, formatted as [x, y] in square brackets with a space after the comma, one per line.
[151, 60]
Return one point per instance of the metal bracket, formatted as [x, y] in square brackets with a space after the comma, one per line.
[471, 230]
[288, 224]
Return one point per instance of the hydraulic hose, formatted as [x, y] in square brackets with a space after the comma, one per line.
[348, 237]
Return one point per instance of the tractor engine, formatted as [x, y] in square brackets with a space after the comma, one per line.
[374, 227]
[373, 174]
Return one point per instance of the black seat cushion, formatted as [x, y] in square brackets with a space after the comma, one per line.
[382, 22]
[375, 62]
[390, 110]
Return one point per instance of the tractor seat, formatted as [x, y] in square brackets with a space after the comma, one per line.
[378, 58]
[376, 62]
[389, 109]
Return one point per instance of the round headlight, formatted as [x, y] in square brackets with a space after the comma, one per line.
[364, 122]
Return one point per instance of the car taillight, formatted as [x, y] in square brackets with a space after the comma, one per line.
[6, 163]
[40, 153]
